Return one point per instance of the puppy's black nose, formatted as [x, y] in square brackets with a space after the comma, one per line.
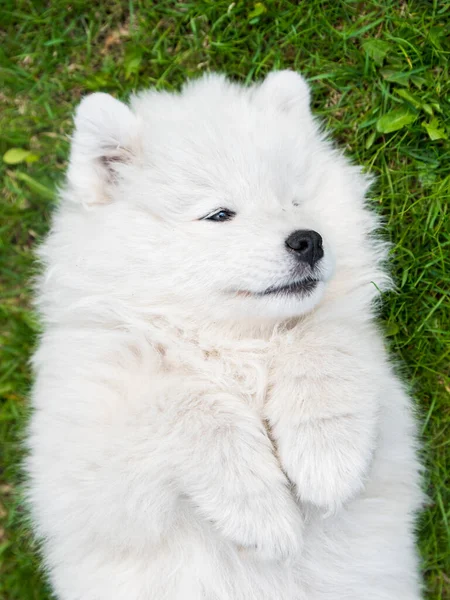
[307, 245]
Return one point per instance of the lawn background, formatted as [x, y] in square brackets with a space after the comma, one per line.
[379, 72]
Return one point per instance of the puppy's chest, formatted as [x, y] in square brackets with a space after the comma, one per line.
[247, 375]
[249, 371]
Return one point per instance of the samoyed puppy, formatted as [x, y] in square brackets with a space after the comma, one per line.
[215, 416]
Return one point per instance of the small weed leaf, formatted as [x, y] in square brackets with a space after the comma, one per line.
[434, 131]
[395, 76]
[98, 82]
[418, 81]
[36, 187]
[435, 35]
[391, 329]
[409, 97]
[258, 10]
[437, 107]
[132, 63]
[370, 140]
[377, 50]
[15, 156]
[426, 176]
[394, 120]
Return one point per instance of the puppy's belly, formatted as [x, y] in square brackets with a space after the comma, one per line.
[195, 562]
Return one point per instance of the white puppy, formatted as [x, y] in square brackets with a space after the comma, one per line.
[215, 416]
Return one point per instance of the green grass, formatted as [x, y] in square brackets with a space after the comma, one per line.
[365, 60]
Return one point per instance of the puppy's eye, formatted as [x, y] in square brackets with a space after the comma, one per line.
[221, 215]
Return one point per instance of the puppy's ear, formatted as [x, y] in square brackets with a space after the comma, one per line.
[105, 138]
[286, 91]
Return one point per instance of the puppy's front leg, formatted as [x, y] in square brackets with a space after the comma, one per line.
[322, 411]
[224, 463]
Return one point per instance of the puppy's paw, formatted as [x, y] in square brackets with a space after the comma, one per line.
[327, 460]
[271, 527]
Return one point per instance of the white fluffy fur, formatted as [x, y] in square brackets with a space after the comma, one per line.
[191, 439]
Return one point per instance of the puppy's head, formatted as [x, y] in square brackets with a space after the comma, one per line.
[223, 201]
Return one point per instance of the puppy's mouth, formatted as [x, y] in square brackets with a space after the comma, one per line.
[303, 287]
[296, 288]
